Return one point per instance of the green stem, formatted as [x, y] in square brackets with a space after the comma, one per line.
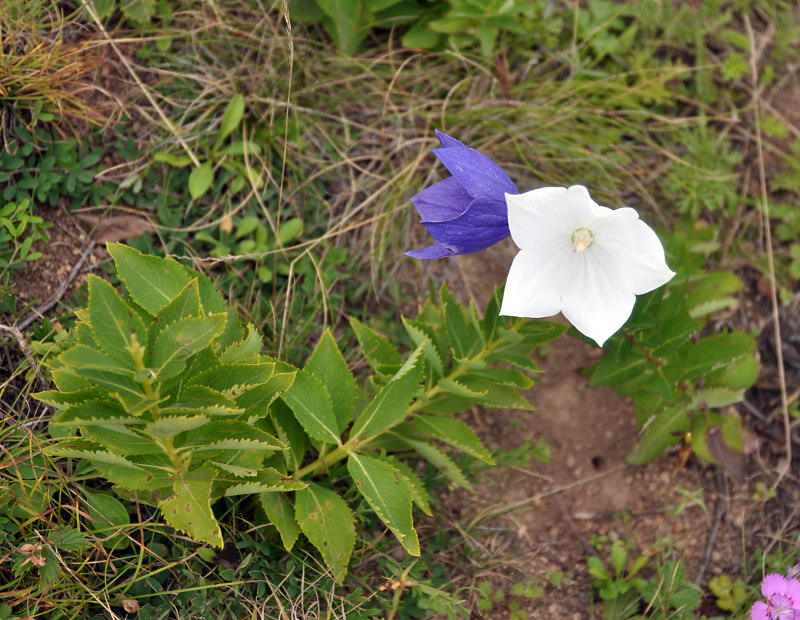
[343, 451]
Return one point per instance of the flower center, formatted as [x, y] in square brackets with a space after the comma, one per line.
[582, 239]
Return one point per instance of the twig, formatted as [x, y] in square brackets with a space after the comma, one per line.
[19, 337]
[776, 319]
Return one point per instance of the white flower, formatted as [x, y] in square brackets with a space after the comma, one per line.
[586, 261]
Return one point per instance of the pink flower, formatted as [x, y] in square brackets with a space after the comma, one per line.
[783, 599]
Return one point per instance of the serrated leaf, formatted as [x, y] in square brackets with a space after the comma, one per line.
[456, 433]
[169, 426]
[418, 491]
[58, 399]
[186, 304]
[328, 365]
[712, 292]
[80, 356]
[329, 525]
[138, 11]
[246, 350]
[496, 394]
[466, 339]
[506, 376]
[94, 413]
[128, 391]
[231, 118]
[311, 404]
[715, 351]
[390, 405]
[114, 324]
[189, 508]
[438, 459]
[182, 339]
[233, 380]
[291, 433]
[714, 397]
[378, 351]
[459, 389]
[152, 282]
[121, 440]
[661, 432]
[674, 332]
[108, 515]
[268, 480]
[421, 334]
[389, 495]
[610, 371]
[257, 400]
[280, 512]
[67, 538]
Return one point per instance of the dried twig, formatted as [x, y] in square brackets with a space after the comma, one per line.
[776, 320]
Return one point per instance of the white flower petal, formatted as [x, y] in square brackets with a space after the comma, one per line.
[592, 277]
[531, 290]
[597, 299]
[535, 217]
[636, 246]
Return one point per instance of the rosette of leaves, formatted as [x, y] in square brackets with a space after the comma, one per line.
[164, 394]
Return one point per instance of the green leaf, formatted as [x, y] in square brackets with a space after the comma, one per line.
[189, 508]
[378, 351]
[289, 432]
[182, 339]
[246, 350]
[114, 324]
[674, 332]
[329, 525]
[456, 433]
[609, 371]
[229, 435]
[344, 19]
[94, 412]
[311, 403]
[328, 365]
[712, 292]
[232, 117]
[108, 515]
[715, 397]
[121, 440]
[80, 356]
[186, 304]
[389, 494]
[439, 460]
[421, 334]
[67, 538]
[715, 351]
[281, 512]
[661, 432]
[390, 405]
[152, 282]
[465, 337]
[169, 426]
[138, 11]
[268, 480]
[418, 491]
[200, 179]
